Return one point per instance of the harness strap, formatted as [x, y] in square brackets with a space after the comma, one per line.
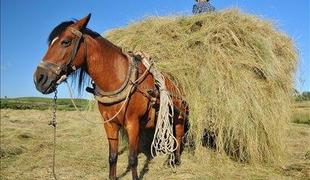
[77, 40]
[129, 85]
[113, 139]
[121, 93]
[131, 75]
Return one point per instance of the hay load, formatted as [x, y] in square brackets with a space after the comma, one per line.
[236, 71]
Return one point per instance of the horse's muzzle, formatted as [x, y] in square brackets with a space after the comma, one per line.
[45, 80]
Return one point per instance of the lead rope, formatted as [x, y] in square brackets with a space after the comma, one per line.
[53, 123]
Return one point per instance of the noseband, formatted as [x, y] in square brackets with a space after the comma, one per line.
[67, 66]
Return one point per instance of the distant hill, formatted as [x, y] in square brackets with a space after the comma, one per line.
[40, 103]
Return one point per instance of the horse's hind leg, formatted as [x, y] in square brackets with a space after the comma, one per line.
[179, 133]
[133, 128]
[112, 130]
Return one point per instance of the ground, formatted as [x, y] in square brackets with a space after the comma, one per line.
[82, 151]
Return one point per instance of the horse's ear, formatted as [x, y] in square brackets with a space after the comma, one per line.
[82, 23]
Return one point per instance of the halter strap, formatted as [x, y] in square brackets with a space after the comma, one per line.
[77, 40]
[57, 69]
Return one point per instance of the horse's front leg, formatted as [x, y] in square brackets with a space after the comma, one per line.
[132, 128]
[112, 130]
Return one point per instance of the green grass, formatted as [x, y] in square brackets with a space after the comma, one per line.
[38, 103]
[301, 112]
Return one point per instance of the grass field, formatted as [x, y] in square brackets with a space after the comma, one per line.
[82, 151]
[301, 112]
[39, 103]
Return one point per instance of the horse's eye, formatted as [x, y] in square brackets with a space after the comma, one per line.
[66, 42]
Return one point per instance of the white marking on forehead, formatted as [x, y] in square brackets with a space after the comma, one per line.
[55, 39]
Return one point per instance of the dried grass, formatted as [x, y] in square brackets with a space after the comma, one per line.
[237, 73]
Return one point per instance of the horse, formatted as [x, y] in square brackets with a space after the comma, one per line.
[125, 104]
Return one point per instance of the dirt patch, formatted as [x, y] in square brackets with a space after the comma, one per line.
[196, 26]
[11, 151]
[25, 136]
[297, 169]
[15, 121]
[307, 155]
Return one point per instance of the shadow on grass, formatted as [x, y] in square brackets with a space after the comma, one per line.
[146, 137]
[144, 170]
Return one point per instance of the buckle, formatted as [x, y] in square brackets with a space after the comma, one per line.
[76, 32]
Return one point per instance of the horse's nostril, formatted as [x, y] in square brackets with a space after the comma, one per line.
[40, 78]
[45, 80]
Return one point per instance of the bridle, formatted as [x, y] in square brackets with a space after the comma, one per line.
[63, 70]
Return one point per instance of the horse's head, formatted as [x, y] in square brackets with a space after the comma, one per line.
[66, 52]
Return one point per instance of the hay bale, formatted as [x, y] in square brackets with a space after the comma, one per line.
[236, 71]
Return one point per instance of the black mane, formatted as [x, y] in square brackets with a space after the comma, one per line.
[60, 28]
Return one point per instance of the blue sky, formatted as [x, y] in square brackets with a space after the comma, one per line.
[25, 26]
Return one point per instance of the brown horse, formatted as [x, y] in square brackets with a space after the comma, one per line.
[72, 46]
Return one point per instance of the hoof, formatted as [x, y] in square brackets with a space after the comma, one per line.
[177, 162]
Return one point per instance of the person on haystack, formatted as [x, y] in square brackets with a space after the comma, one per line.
[202, 6]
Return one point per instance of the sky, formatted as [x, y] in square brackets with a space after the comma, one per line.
[26, 24]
